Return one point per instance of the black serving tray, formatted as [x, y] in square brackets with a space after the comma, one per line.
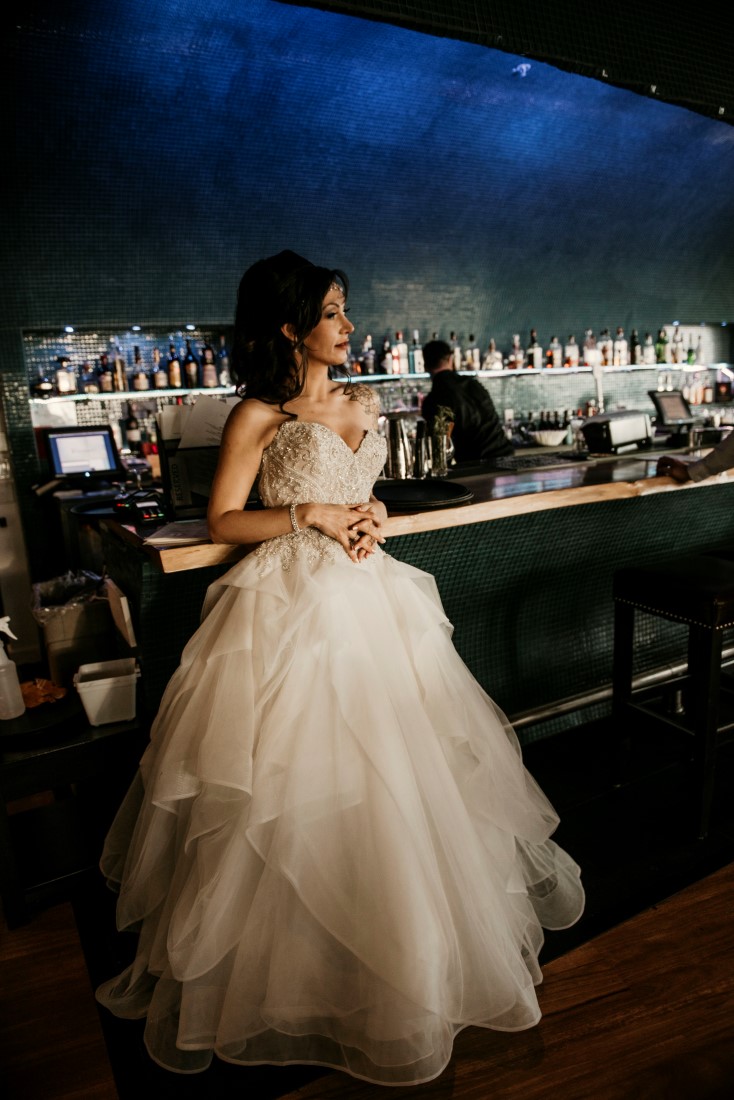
[420, 494]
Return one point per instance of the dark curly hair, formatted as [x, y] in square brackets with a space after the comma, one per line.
[279, 290]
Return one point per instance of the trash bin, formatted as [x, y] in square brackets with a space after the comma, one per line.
[74, 614]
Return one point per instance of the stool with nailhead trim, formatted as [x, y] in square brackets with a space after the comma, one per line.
[698, 591]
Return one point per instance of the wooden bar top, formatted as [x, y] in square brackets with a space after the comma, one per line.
[496, 495]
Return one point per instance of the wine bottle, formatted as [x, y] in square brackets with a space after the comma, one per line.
[635, 349]
[158, 375]
[209, 376]
[174, 368]
[104, 374]
[191, 365]
[141, 381]
[131, 426]
[571, 352]
[225, 377]
[661, 347]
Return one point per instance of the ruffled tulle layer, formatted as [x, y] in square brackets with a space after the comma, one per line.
[332, 853]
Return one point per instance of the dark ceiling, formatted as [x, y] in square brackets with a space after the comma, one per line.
[677, 53]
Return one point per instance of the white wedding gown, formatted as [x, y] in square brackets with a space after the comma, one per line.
[332, 852]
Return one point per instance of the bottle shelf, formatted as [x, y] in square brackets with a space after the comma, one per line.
[135, 395]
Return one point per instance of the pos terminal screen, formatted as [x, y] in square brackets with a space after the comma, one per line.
[672, 408]
[81, 454]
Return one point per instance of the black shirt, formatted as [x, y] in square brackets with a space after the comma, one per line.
[477, 433]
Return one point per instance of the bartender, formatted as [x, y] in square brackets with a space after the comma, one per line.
[720, 458]
[478, 433]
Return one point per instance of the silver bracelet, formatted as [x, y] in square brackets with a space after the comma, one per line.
[294, 521]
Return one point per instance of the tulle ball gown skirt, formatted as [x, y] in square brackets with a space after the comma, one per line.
[332, 853]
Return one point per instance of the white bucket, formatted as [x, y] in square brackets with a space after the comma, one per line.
[107, 690]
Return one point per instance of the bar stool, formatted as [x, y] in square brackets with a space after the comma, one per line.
[697, 590]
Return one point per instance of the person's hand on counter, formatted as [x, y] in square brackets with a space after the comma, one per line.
[677, 468]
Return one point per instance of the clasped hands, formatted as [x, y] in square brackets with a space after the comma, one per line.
[365, 534]
[355, 526]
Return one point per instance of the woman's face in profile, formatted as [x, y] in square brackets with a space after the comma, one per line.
[328, 343]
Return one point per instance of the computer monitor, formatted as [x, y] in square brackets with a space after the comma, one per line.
[674, 412]
[83, 455]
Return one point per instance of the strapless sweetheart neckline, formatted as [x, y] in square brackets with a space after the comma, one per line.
[318, 424]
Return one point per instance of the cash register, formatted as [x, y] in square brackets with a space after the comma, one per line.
[674, 416]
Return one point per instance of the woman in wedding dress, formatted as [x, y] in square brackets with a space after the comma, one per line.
[332, 853]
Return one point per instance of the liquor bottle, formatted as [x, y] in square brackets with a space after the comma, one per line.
[174, 368]
[401, 361]
[119, 374]
[415, 354]
[472, 354]
[605, 348]
[209, 376]
[677, 347]
[534, 352]
[591, 351]
[192, 367]
[158, 375]
[661, 347]
[104, 374]
[44, 384]
[131, 427]
[620, 356]
[88, 378]
[571, 352]
[493, 358]
[368, 355]
[64, 376]
[516, 358]
[691, 354]
[455, 349]
[225, 376]
[635, 349]
[648, 350]
[699, 349]
[386, 359]
[555, 353]
[141, 381]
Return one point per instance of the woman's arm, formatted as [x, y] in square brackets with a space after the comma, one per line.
[249, 429]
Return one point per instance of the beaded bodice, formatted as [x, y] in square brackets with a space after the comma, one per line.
[309, 462]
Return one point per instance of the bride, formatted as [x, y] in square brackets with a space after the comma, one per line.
[332, 853]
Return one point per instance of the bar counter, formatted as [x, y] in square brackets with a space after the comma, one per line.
[496, 495]
[524, 570]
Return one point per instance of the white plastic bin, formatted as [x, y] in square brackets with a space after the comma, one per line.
[107, 690]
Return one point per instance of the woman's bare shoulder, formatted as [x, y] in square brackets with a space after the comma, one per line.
[254, 421]
[366, 396]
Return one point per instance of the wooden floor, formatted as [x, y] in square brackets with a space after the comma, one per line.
[643, 1012]
[51, 1042]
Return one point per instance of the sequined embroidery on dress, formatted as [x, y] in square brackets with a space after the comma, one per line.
[309, 462]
